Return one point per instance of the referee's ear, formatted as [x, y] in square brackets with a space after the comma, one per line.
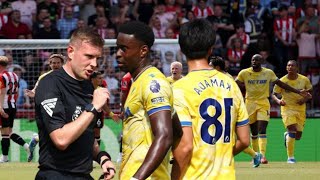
[70, 51]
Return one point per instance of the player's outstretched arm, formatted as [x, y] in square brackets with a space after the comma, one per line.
[161, 125]
[30, 93]
[289, 88]
[182, 153]
[243, 139]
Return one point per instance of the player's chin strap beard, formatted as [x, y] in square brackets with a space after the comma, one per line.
[142, 70]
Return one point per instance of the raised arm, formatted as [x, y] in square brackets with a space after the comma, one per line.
[161, 125]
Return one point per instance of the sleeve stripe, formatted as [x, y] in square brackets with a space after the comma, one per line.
[242, 122]
[159, 109]
[186, 123]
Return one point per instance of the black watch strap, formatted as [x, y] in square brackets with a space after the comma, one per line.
[90, 108]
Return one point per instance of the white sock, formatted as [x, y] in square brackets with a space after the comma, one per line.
[4, 158]
[26, 146]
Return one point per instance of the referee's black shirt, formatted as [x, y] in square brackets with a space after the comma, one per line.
[59, 100]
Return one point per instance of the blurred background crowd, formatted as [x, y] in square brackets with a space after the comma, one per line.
[279, 30]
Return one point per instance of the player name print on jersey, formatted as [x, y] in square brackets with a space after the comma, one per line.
[214, 82]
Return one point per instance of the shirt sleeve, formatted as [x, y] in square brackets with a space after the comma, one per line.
[277, 89]
[179, 104]
[240, 76]
[308, 83]
[242, 113]
[273, 76]
[157, 95]
[49, 104]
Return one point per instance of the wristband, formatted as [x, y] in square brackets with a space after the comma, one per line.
[103, 153]
[104, 161]
[111, 114]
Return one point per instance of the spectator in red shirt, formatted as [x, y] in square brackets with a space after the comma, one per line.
[14, 27]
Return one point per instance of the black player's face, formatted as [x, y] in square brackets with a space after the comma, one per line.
[292, 67]
[256, 62]
[128, 52]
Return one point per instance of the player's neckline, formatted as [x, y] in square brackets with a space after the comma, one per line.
[142, 70]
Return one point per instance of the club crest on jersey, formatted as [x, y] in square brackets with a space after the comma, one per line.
[154, 86]
[76, 113]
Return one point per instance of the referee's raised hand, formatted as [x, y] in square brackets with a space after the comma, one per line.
[101, 97]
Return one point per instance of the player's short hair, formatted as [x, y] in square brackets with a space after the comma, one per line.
[196, 38]
[257, 57]
[87, 34]
[60, 56]
[176, 63]
[139, 30]
[294, 62]
[4, 61]
[217, 61]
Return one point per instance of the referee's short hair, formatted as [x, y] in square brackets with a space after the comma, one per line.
[4, 61]
[139, 30]
[87, 34]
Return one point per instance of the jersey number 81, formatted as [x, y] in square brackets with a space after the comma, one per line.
[213, 120]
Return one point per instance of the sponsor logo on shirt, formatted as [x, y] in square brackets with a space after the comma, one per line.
[49, 105]
[157, 100]
[76, 113]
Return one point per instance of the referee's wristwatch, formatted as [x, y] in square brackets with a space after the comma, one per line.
[90, 108]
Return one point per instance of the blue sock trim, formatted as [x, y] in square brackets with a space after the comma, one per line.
[262, 136]
[292, 135]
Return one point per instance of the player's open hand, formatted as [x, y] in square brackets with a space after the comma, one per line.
[101, 97]
[304, 93]
[29, 93]
[282, 102]
[3, 114]
[108, 169]
[116, 118]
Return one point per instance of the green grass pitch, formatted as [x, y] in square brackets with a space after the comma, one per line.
[244, 171]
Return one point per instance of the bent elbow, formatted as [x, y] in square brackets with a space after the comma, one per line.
[246, 144]
[61, 145]
[187, 149]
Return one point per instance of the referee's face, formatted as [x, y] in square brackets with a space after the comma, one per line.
[82, 61]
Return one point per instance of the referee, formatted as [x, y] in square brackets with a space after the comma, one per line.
[66, 109]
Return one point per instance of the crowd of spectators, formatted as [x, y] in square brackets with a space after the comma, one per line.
[279, 30]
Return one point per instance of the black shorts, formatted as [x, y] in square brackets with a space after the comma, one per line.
[56, 175]
[8, 122]
[100, 121]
